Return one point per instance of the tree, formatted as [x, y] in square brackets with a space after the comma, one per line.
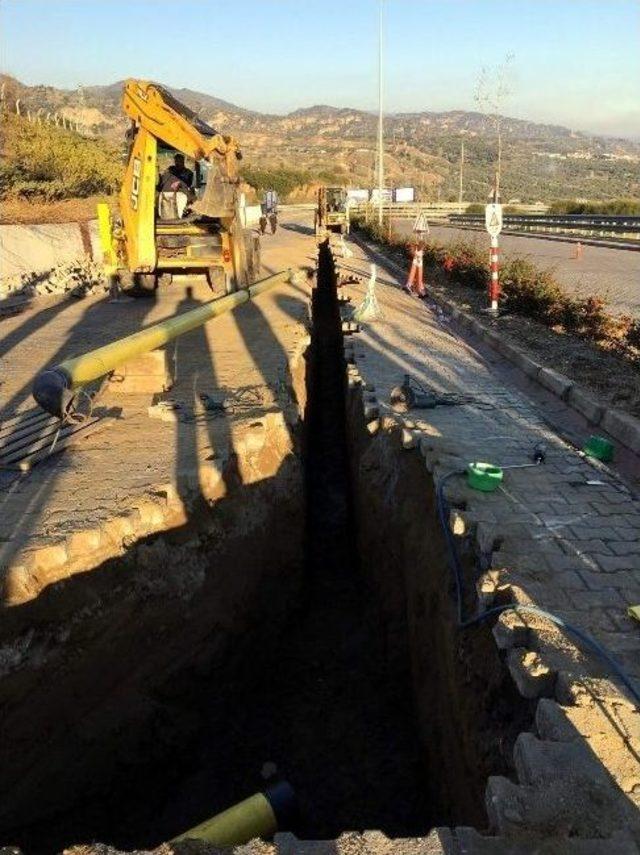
[492, 88]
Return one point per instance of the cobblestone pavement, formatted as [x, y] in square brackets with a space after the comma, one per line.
[610, 273]
[564, 535]
[241, 355]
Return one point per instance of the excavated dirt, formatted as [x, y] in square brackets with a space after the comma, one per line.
[319, 646]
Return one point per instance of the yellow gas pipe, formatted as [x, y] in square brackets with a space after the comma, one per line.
[53, 388]
[258, 816]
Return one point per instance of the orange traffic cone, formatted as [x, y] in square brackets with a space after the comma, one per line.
[415, 283]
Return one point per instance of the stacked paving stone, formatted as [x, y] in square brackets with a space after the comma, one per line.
[77, 278]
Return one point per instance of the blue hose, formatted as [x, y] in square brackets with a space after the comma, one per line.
[587, 640]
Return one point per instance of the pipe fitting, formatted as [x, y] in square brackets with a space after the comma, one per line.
[52, 391]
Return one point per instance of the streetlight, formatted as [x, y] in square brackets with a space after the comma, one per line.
[380, 142]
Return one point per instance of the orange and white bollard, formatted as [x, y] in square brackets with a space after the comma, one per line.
[415, 282]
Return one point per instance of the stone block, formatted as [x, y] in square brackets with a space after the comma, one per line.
[117, 529]
[527, 365]
[555, 382]
[585, 404]
[624, 427]
[83, 542]
[533, 678]
[408, 439]
[510, 630]
[17, 585]
[145, 374]
[48, 557]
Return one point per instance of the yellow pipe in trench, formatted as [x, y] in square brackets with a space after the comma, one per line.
[53, 388]
[258, 816]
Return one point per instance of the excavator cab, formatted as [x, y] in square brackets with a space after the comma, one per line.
[159, 234]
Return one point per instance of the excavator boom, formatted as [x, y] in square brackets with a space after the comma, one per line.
[154, 108]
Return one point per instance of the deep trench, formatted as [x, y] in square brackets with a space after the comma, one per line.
[321, 701]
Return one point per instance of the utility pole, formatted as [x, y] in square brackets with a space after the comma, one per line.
[380, 137]
[461, 172]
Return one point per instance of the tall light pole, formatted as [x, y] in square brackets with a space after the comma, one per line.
[380, 141]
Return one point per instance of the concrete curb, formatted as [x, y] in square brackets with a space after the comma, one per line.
[622, 426]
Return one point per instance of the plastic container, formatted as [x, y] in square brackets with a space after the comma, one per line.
[484, 476]
[600, 448]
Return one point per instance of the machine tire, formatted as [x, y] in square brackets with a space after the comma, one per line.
[216, 279]
[138, 285]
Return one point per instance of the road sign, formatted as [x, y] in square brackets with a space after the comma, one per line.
[493, 219]
[421, 226]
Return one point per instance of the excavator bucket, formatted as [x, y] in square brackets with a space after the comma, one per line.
[218, 199]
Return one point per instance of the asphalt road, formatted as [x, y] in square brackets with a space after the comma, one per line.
[610, 273]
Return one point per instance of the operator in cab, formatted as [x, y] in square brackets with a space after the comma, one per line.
[175, 190]
[178, 170]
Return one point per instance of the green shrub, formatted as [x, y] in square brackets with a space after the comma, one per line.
[47, 162]
[530, 291]
[613, 207]
[283, 181]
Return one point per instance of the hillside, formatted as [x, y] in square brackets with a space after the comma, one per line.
[540, 162]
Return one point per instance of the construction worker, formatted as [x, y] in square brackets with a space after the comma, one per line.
[180, 171]
[269, 211]
[176, 190]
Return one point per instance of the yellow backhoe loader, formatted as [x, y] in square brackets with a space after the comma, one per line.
[162, 231]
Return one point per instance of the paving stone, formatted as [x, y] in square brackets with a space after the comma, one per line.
[603, 598]
[614, 563]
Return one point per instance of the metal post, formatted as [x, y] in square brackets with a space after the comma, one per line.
[380, 137]
[494, 286]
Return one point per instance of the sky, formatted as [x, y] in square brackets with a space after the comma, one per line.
[576, 62]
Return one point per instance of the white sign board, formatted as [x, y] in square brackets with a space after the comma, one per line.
[356, 195]
[493, 219]
[403, 194]
[421, 226]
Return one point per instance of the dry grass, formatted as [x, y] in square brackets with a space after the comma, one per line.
[19, 210]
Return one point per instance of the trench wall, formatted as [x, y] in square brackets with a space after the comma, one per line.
[463, 696]
[95, 671]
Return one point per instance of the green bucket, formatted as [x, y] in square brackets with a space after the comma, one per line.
[484, 476]
[600, 448]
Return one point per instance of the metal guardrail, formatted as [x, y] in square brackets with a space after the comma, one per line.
[434, 210]
[588, 225]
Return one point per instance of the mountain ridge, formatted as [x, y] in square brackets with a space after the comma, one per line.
[422, 149]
